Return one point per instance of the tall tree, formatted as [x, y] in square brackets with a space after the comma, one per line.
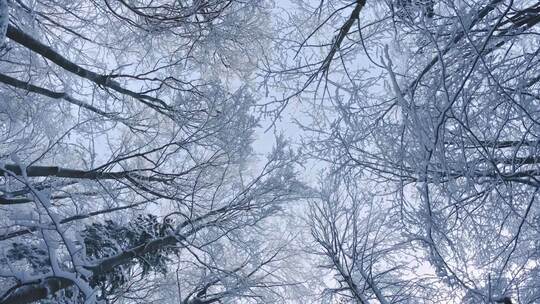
[433, 105]
[126, 131]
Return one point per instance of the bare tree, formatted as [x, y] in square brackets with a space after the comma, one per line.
[128, 173]
[126, 153]
[435, 105]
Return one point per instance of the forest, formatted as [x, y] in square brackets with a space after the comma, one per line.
[270, 151]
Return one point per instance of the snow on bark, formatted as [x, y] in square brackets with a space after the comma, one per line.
[4, 20]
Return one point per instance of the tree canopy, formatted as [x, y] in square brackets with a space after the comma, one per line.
[230, 151]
